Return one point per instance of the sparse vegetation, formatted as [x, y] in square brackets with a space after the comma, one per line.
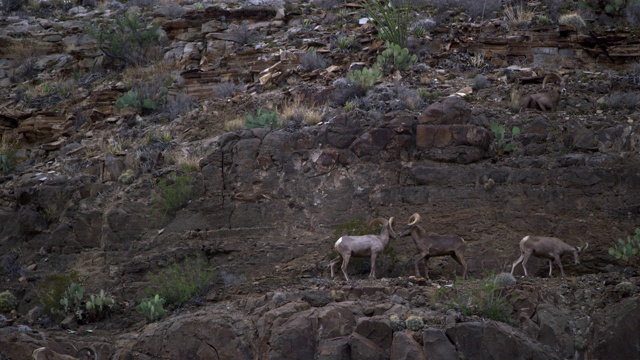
[7, 161]
[518, 15]
[395, 57]
[152, 309]
[365, 78]
[227, 89]
[619, 100]
[98, 305]
[179, 282]
[128, 40]
[173, 193]
[486, 299]
[627, 250]
[262, 119]
[572, 19]
[301, 114]
[52, 290]
[8, 301]
[311, 60]
[501, 144]
[392, 19]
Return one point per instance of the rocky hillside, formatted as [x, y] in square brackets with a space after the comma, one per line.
[212, 153]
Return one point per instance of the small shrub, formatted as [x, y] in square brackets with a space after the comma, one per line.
[179, 104]
[172, 10]
[392, 19]
[504, 279]
[365, 78]
[572, 19]
[345, 43]
[262, 119]
[480, 82]
[128, 40]
[608, 7]
[242, 35]
[52, 290]
[127, 177]
[227, 89]
[414, 323]
[501, 144]
[173, 193]
[7, 161]
[11, 264]
[311, 60]
[140, 101]
[395, 57]
[179, 282]
[625, 289]
[632, 13]
[627, 250]
[8, 301]
[152, 309]
[486, 300]
[344, 91]
[11, 5]
[619, 100]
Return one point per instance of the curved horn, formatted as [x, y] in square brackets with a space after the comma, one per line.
[552, 75]
[414, 219]
[393, 232]
[585, 247]
[380, 220]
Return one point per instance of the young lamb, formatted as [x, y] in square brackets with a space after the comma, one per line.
[363, 246]
[547, 248]
[430, 245]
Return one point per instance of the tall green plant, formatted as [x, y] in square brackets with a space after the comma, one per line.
[503, 144]
[128, 40]
[392, 20]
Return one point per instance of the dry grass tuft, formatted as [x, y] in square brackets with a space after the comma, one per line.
[572, 19]
[518, 15]
[302, 114]
[235, 124]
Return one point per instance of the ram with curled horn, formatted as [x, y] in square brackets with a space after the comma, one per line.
[547, 100]
[363, 246]
[431, 245]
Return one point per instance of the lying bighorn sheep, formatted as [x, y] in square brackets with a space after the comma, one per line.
[545, 101]
[548, 248]
[84, 353]
[363, 246]
[431, 245]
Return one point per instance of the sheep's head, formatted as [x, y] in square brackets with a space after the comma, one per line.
[576, 254]
[385, 224]
[562, 82]
[413, 220]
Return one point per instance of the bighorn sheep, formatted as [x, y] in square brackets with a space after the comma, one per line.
[548, 248]
[431, 245]
[363, 246]
[545, 101]
[84, 353]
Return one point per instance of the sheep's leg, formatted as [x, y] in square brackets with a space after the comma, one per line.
[372, 273]
[417, 263]
[559, 265]
[550, 267]
[524, 263]
[515, 263]
[333, 263]
[460, 260]
[426, 267]
[345, 263]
